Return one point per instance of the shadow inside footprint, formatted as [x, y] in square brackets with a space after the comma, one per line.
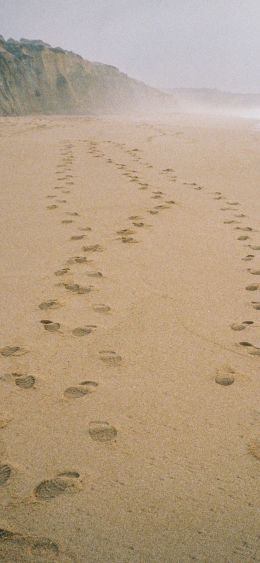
[102, 431]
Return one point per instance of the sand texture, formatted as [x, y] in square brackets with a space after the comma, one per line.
[130, 340]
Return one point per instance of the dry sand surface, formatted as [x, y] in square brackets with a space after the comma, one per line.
[130, 340]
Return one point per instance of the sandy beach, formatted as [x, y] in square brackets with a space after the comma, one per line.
[130, 340]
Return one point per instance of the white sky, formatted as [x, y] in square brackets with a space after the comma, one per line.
[166, 43]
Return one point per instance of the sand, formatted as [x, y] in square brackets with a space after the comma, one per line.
[130, 340]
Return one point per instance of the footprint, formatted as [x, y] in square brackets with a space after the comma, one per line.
[93, 248]
[50, 304]
[95, 274]
[129, 240]
[230, 222]
[5, 420]
[101, 308]
[52, 488]
[225, 376]
[248, 258]
[237, 327]
[26, 382]
[162, 206]
[255, 352]
[13, 351]
[17, 547]
[256, 305]
[62, 272]
[254, 448]
[78, 260]
[76, 288]
[252, 287]
[67, 221]
[77, 237]
[79, 391]
[243, 237]
[52, 206]
[126, 232]
[85, 229]
[50, 326]
[255, 272]
[110, 358]
[83, 331]
[141, 224]
[242, 326]
[254, 247]
[5, 473]
[72, 213]
[102, 431]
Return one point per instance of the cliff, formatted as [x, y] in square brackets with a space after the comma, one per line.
[37, 78]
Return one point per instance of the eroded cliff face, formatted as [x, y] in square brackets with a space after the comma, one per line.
[36, 78]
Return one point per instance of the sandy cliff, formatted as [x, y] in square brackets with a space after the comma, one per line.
[36, 78]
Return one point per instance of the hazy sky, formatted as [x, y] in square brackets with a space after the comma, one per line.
[166, 43]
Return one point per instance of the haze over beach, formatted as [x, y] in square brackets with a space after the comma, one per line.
[130, 281]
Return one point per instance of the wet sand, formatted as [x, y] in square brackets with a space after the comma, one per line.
[130, 340]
